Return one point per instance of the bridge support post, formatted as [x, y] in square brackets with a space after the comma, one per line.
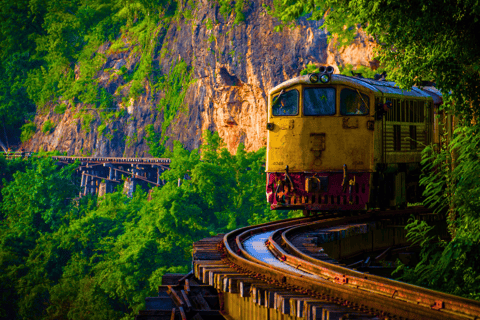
[134, 180]
[102, 189]
[96, 185]
[82, 184]
[160, 170]
[86, 185]
[129, 187]
[92, 185]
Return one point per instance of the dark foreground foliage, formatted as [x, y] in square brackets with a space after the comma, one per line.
[451, 180]
[99, 258]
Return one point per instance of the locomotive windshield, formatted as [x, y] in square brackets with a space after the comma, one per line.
[352, 102]
[285, 103]
[319, 101]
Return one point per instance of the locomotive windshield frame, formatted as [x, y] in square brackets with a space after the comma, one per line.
[322, 99]
[353, 102]
[286, 103]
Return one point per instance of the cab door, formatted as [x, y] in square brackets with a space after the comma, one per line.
[356, 110]
[284, 131]
[319, 117]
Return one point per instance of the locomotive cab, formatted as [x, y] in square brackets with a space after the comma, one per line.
[328, 147]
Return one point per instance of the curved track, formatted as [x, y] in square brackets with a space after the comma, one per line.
[256, 250]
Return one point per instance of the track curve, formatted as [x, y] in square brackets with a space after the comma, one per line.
[255, 251]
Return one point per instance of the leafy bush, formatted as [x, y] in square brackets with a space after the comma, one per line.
[225, 8]
[239, 11]
[209, 24]
[48, 126]
[60, 108]
[100, 129]
[28, 130]
[366, 72]
[175, 85]
[310, 68]
[86, 120]
[451, 181]
[155, 146]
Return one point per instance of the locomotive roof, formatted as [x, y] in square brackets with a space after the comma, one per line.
[435, 93]
[387, 88]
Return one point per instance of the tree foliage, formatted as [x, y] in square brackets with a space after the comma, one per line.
[68, 258]
[41, 43]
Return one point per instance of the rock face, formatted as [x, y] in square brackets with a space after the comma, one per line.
[234, 67]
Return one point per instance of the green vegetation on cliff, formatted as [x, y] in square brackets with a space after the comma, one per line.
[52, 54]
[67, 258]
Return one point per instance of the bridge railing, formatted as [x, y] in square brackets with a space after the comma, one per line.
[15, 155]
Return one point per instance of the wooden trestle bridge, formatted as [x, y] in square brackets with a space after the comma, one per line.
[100, 175]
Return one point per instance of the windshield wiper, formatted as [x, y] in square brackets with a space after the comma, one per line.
[278, 97]
[366, 105]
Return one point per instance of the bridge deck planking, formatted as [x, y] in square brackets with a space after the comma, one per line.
[116, 160]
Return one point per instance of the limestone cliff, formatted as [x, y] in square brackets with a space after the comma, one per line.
[234, 66]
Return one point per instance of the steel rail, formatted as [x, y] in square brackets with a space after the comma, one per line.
[349, 292]
[434, 300]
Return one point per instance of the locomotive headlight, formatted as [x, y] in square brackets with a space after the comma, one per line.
[313, 78]
[325, 78]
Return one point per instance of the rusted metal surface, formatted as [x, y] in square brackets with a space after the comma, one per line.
[332, 198]
[246, 296]
[251, 289]
[350, 287]
[173, 302]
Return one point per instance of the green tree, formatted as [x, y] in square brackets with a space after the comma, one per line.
[36, 198]
[70, 259]
[14, 102]
[32, 206]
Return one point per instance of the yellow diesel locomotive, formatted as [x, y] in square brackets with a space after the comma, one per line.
[337, 142]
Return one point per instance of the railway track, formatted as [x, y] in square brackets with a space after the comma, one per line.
[267, 272]
[266, 253]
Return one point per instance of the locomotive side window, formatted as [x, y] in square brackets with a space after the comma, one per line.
[406, 111]
[353, 102]
[319, 101]
[285, 103]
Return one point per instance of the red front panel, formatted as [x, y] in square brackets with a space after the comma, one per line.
[329, 194]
